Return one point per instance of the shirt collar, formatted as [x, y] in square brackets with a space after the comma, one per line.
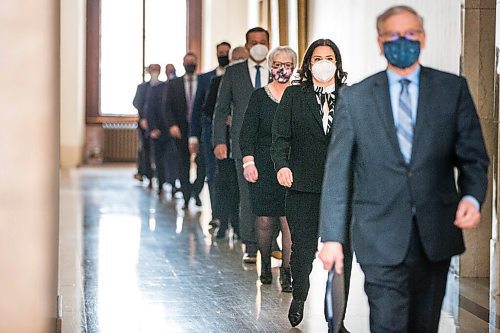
[328, 89]
[252, 63]
[394, 77]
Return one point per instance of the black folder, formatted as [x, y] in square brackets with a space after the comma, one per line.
[334, 301]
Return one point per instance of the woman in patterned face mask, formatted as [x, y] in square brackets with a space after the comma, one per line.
[301, 133]
[267, 196]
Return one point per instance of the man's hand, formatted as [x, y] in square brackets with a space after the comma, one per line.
[285, 177]
[175, 132]
[143, 123]
[332, 256]
[155, 134]
[468, 216]
[193, 148]
[220, 151]
[251, 173]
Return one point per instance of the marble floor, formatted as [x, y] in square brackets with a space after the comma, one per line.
[130, 262]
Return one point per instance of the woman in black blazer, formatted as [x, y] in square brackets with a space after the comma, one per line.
[301, 134]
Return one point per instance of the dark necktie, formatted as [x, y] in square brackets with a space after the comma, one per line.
[257, 76]
[405, 126]
[190, 98]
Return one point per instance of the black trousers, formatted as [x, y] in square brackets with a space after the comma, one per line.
[144, 155]
[201, 171]
[184, 166]
[227, 195]
[407, 297]
[164, 153]
[302, 213]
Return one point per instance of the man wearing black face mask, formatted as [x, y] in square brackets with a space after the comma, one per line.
[414, 125]
[178, 108]
[200, 130]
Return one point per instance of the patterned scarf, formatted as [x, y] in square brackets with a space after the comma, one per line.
[326, 94]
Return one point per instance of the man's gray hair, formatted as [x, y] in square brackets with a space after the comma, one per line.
[281, 50]
[394, 11]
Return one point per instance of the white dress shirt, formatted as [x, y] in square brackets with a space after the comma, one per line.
[264, 72]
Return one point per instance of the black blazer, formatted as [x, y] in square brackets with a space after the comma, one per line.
[176, 106]
[140, 97]
[388, 195]
[299, 142]
[155, 111]
[209, 105]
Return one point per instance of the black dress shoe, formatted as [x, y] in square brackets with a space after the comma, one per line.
[197, 201]
[266, 275]
[296, 312]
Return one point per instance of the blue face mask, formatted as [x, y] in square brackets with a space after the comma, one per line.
[402, 52]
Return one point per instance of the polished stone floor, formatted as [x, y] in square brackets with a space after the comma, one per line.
[130, 262]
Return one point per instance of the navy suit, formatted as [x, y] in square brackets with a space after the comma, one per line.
[144, 153]
[201, 127]
[164, 148]
[402, 226]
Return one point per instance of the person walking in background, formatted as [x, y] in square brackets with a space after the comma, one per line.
[144, 154]
[267, 196]
[227, 195]
[414, 125]
[237, 85]
[178, 107]
[301, 132]
[200, 130]
[165, 152]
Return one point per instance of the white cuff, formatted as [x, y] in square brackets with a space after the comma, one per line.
[193, 140]
[248, 164]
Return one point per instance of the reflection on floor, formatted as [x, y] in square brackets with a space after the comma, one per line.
[132, 263]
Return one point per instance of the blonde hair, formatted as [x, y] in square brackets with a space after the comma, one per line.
[281, 50]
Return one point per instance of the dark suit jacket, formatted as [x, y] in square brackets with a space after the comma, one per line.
[385, 189]
[140, 97]
[208, 107]
[176, 106]
[155, 111]
[234, 94]
[201, 93]
[299, 142]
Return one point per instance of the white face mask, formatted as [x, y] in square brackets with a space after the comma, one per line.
[324, 70]
[259, 52]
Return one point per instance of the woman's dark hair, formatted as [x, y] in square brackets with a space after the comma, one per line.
[305, 75]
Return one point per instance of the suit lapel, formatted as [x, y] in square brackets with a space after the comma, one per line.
[423, 109]
[182, 89]
[246, 75]
[313, 107]
[384, 110]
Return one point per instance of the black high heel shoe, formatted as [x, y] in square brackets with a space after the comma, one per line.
[286, 279]
[266, 275]
[296, 312]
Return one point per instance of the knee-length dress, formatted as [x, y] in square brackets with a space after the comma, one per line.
[267, 195]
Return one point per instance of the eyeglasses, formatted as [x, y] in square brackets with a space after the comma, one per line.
[287, 65]
[410, 35]
[318, 58]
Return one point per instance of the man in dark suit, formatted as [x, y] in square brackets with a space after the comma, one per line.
[226, 189]
[139, 102]
[179, 105]
[237, 85]
[398, 136]
[165, 156]
[200, 131]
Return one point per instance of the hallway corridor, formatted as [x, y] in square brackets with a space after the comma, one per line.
[132, 263]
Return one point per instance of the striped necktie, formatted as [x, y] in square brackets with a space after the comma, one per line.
[405, 123]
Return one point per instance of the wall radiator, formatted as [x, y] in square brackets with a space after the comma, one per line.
[121, 142]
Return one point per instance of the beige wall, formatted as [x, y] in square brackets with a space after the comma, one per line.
[72, 81]
[29, 133]
[351, 24]
[223, 20]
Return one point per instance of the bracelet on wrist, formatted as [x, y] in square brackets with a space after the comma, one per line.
[248, 164]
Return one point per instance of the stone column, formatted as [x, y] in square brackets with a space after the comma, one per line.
[478, 66]
[29, 150]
